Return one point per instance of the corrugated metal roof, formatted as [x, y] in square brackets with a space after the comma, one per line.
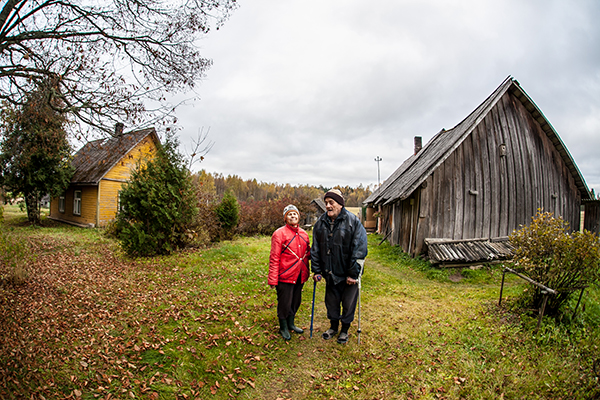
[468, 251]
[97, 157]
[417, 168]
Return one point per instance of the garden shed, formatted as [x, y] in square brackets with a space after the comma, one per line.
[459, 197]
[101, 167]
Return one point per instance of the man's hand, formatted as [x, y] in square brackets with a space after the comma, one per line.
[317, 277]
[350, 281]
[273, 286]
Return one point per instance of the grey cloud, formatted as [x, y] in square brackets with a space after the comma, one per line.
[309, 92]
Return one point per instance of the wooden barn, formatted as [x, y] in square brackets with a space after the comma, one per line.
[101, 168]
[317, 207]
[459, 197]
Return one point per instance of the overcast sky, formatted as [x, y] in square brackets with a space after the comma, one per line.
[311, 91]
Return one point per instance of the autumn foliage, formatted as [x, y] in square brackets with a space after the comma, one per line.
[264, 217]
[550, 254]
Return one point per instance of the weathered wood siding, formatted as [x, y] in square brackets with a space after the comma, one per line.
[109, 199]
[592, 216]
[496, 180]
[144, 151]
[89, 195]
[116, 177]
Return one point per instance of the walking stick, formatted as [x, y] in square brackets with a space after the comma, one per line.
[312, 313]
[362, 264]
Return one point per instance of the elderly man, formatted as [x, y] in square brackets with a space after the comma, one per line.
[338, 251]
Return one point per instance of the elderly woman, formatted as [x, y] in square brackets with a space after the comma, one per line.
[289, 269]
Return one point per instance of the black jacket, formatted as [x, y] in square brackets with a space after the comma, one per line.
[337, 246]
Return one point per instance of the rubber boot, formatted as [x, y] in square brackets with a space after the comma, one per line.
[283, 329]
[290, 322]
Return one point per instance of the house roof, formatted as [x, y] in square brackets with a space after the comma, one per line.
[415, 170]
[93, 161]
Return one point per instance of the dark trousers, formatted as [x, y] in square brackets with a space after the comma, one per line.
[289, 297]
[344, 295]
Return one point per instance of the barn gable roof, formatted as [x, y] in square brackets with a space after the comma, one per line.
[418, 167]
[94, 160]
[319, 204]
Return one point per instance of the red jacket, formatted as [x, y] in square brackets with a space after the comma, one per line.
[290, 255]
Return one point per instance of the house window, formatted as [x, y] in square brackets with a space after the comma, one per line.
[119, 204]
[61, 204]
[77, 202]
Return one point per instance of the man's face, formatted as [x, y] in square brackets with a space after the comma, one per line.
[333, 208]
[292, 218]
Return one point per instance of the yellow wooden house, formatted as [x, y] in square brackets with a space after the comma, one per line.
[102, 167]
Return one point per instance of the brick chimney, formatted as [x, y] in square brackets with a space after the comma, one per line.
[418, 144]
[119, 129]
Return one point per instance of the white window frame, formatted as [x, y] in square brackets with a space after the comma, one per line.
[61, 204]
[119, 207]
[77, 202]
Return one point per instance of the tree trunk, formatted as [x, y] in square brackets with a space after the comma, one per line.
[32, 201]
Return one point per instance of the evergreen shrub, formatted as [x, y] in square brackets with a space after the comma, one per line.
[158, 205]
[228, 212]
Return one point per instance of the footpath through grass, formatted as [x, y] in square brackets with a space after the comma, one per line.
[89, 323]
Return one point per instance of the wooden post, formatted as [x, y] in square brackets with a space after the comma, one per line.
[501, 288]
[542, 310]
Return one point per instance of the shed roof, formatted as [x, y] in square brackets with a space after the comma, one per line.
[320, 204]
[415, 170]
[457, 252]
[93, 161]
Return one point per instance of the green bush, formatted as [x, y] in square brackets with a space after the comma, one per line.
[228, 212]
[158, 205]
[548, 253]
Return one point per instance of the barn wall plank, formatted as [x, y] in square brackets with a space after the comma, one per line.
[458, 188]
[437, 204]
[447, 194]
[524, 185]
[424, 221]
[503, 175]
[492, 183]
[478, 176]
[516, 189]
[469, 190]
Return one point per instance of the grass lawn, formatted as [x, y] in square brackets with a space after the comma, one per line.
[89, 323]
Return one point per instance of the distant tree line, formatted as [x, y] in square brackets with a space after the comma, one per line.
[252, 190]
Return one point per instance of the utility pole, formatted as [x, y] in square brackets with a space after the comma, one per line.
[378, 159]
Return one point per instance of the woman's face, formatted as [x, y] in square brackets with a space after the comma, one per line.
[292, 218]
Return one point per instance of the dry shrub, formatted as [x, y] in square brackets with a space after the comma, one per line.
[265, 216]
[550, 254]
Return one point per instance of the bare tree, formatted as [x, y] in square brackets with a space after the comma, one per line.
[109, 56]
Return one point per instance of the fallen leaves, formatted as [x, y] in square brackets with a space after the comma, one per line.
[98, 318]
